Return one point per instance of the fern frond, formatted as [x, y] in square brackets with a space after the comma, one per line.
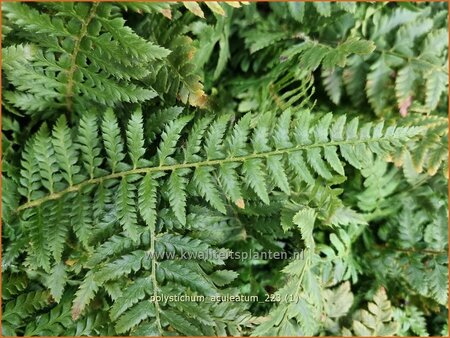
[339, 299]
[183, 274]
[412, 320]
[147, 199]
[13, 284]
[177, 77]
[378, 320]
[204, 183]
[148, 177]
[214, 6]
[311, 53]
[113, 246]
[34, 221]
[46, 159]
[377, 79]
[356, 144]
[332, 80]
[19, 309]
[33, 21]
[139, 312]
[126, 208]
[435, 86]
[122, 266]
[57, 281]
[65, 150]
[30, 178]
[167, 243]
[84, 295]
[131, 295]
[177, 194]
[404, 58]
[89, 144]
[429, 154]
[305, 220]
[169, 138]
[180, 324]
[135, 139]
[82, 67]
[59, 226]
[256, 178]
[438, 281]
[81, 220]
[112, 140]
[144, 7]
[53, 322]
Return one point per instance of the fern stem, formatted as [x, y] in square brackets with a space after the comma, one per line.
[73, 58]
[153, 277]
[162, 168]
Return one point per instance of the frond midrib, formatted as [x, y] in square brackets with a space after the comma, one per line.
[74, 55]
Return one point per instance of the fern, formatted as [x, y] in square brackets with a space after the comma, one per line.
[429, 154]
[411, 320]
[96, 73]
[238, 169]
[405, 58]
[176, 77]
[423, 234]
[53, 322]
[19, 309]
[378, 320]
[312, 54]
[355, 147]
[214, 6]
[127, 182]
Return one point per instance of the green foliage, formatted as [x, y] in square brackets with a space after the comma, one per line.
[377, 320]
[409, 57]
[423, 232]
[412, 321]
[93, 64]
[21, 308]
[144, 144]
[311, 54]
